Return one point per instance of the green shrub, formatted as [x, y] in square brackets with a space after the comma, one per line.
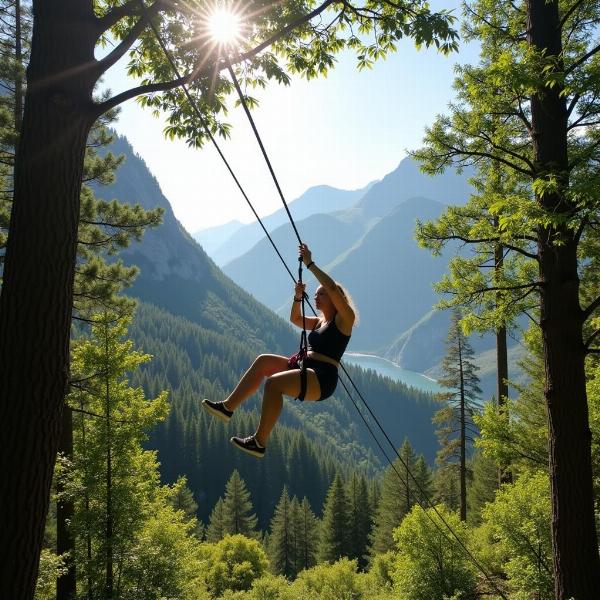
[430, 565]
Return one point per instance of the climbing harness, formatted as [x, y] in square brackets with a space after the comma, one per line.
[298, 360]
[424, 496]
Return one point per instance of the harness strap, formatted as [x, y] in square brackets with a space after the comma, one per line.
[303, 340]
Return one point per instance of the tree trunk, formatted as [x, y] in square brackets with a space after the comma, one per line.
[65, 544]
[110, 580]
[463, 440]
[504, 474]
[575, 547]
[37, 290]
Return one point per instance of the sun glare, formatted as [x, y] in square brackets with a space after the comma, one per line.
[225, 26]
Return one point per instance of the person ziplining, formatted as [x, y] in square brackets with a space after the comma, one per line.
[311, 375]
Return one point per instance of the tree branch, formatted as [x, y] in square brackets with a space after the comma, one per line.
[282, 32]
[466, 154]
[591, 308]
[572, 105]
[140, 90]
[97, 416]
[592, 337]
[129, 9]
[529, 286]
[581, 60]
[109, 60]
[179, 81]
[571, 10]
[483, 241]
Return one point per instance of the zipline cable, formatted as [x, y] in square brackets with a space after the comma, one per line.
[214, 142]
[262, 147]
[212, 139]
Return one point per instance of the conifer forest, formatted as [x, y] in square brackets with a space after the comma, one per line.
[115, 323]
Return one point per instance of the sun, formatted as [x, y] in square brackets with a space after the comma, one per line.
[225, 26]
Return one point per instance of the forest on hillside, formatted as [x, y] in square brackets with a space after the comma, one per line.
[114, 483]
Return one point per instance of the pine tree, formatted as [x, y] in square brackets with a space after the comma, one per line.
[360, 519]
[455, 419]
[306, 531]
[181, 498]
[398, 496]
[374, 495]
[447, 490]
[238, 516]
[423, 485]
[483, 487]
[334, 528]
[113, 480]
[282, 541]
[216, 523]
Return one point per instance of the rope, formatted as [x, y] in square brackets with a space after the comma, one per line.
[262, 147]
[304, 297]
[210, 136]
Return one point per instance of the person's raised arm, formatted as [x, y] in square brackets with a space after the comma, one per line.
[296, 311]
[344, 309]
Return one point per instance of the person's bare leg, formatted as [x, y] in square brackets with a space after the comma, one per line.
[287, 383]
[264, 366]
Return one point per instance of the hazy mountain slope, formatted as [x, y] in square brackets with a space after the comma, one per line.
[407, 181]
[422, 348]
[213, 237]
[390, 277]
[320, 199]
[260, 270]
[370, 248]
[176, 273]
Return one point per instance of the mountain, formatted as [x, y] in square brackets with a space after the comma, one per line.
[177, 274]
[422, 347]
[320, 199]
[260, 270]
[369, 248]
[389, 276]
[407, 181]
[213, 237]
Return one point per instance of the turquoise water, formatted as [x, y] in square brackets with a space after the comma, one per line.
[393, 371]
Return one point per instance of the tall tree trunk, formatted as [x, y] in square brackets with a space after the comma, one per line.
[86, 498]
[504, 475]
[463, 440]
[65, 544]
[40, 255]
[110, 580]
[575, 547]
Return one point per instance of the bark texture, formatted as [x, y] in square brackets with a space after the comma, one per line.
[575, 547]
[37, 291]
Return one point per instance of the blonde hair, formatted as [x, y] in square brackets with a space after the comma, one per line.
[346, 294]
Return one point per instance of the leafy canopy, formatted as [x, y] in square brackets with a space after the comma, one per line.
[280, 39]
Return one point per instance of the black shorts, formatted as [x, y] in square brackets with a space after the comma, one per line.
[326, 373]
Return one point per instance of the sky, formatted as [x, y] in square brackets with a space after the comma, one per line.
[345, 131]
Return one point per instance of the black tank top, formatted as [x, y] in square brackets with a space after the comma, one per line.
[328, 340]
